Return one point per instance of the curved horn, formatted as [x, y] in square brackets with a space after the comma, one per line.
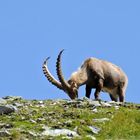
[48, 75]
[64, 83]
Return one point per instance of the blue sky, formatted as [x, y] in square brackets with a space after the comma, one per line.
[32, 30]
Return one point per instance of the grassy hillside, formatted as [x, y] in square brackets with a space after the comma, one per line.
[81, 119]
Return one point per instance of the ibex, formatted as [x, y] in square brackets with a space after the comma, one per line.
[94, 73]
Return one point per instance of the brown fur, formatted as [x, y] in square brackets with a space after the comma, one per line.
[101, 75]
[94, 73]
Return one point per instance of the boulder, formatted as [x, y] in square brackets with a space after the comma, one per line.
[57, 132]
[7, 109]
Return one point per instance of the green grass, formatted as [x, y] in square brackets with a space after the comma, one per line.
[124, 123]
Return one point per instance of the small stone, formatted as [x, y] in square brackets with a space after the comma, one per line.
[2, 101]
[94, 103]
[113, 103]
[85, 99]
[76, 128]
[51, 113]
[82, 122]
[68, 123]
[105, 104]
[94, 129]
[66, 138]
[95, 110]
[101, 120]
[71, 102]
[117, 107]
[91, 137]
[40, 119]
[57, 132]
[32, 121]
[32, 134]
[42, 105]
[40, 102]
[4, 125]
[4, 133]
[23, 118]
[18, 105]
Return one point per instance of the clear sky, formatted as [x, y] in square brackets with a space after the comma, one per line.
[32, 30]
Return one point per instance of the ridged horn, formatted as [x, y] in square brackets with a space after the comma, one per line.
[48, 75]
[64, 83]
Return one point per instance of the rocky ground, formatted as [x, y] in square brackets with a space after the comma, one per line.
[81, 119]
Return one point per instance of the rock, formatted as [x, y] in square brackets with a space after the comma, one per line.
[40, 102]
[40, 105]
[66, 138]
[94, 103]
[4, 125]
[2, 101]
[33, 134]
[40, 119]
[32, 121]
[18, 105]
[7, 109]
[4, 133]
[113, 103]
[86, 99]
[117, 107]
[76, 128]
[12, 98]
[94, 129]
[73, 102]
[51, 113]
[101, 120]
[68, 123]
[90, 137]
[56, 132]
[95, 110]
[106, 104]
[59, 101]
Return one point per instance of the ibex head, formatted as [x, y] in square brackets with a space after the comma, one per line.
[67, 86]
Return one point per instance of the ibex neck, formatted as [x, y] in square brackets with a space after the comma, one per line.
[80, 77]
